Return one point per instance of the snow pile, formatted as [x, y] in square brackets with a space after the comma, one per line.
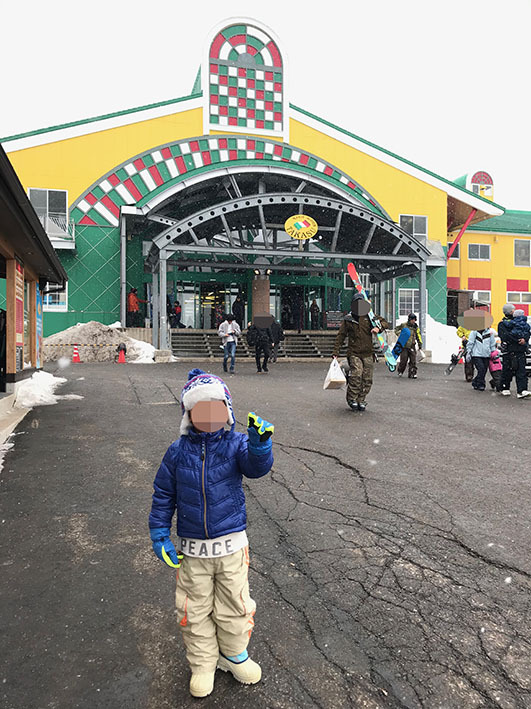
[95, 333]
[38, 390]
[4, 448]
[441, 339]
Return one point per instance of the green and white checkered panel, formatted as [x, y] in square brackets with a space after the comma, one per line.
[246, 81]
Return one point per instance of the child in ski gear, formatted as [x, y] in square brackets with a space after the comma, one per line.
[518, 326]
[514, 346]
[229, 331]
[358, 328]
[464, 334]
[495, 369]
[408, 356]
[479, 347]
[200, 478]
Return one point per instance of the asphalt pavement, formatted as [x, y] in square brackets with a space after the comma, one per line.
[390, 549]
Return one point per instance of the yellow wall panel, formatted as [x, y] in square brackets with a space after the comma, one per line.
[74, 164]
[397, 192]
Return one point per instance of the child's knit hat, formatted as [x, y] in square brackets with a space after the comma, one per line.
[202, 386]
[518, 313]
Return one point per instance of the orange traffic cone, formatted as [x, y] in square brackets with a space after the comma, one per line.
[121, 357]
[75, 356]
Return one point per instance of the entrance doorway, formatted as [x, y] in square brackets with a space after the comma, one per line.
[292, 307]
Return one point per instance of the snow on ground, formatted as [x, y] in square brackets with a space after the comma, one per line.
[38, 390]
[102, 340]
[3, 450]
[441, 339]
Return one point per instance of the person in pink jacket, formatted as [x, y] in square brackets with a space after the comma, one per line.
[495, 369]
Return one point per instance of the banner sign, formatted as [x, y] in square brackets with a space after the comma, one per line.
[39, 326]
[333, 319]
[19, 316]
[300, 226]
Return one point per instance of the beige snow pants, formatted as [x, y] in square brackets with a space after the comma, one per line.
[214, 608]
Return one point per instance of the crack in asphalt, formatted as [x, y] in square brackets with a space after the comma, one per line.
[425, 574]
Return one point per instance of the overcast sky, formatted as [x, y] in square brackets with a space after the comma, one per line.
[442, 83]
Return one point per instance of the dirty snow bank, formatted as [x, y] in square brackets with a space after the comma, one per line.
[95, 333]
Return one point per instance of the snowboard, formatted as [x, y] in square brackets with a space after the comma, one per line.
[454, 361]
[401, 342]
[390, 359]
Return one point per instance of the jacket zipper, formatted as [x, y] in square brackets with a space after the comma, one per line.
[203, 458]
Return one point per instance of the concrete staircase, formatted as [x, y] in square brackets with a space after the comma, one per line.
[206, 344]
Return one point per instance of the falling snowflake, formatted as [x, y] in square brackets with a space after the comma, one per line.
[508, 579]
[376, 440]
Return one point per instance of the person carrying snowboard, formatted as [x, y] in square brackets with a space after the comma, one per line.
[514, 338]
[409, 353]
[358, 328]
[200, 478]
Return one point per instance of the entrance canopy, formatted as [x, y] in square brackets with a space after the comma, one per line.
[231, 219]
[234, 220]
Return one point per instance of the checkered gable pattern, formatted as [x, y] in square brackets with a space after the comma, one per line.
[136, 181]
[245, 81]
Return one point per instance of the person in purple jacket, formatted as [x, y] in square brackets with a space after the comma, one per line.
[200, 478]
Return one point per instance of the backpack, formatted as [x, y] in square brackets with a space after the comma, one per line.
[251, 336]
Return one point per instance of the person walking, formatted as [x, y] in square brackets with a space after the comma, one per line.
[260, 337]
[229, 331]
[200, 481]
[514, 333]
[134, 316]
[478, 351]
[176, 315]
[408, 356]
[464, 334]
[238, 310]
[359, 329]
[314, 315]
[278, 335]
[285, 316]
[495, 369]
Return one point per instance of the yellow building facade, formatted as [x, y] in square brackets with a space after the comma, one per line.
[131, 179]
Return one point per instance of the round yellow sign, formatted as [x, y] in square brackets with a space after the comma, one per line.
[301, 227]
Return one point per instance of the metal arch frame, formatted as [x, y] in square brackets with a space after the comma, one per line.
[166, 238]
[159, 200]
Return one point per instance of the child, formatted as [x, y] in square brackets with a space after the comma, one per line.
[200, 477]
[408, 356]
[495, 369]
[518, 326]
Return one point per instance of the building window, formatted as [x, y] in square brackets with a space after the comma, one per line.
[408, 301]
[516, 297]
[415, 226]
[50, 206]
[482, 295]
[522, 252]
[457, 250]
[348, 283]
[479, 252]
[56, 301]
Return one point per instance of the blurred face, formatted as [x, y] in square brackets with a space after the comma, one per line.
[475, 319]
[263, 320]
[360, 307]
[209, 416]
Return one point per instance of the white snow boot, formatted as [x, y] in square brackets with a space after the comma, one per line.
[202, 684]
[506, 392]
[523, 394]
[246, 672]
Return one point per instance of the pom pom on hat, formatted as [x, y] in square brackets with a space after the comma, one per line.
[202, 386]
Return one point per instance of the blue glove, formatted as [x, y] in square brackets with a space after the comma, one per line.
[163, 547]
[259, 431]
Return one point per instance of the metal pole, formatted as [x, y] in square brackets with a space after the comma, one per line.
[423, 302]
[163, 334]
[123, 272]
[155, 308]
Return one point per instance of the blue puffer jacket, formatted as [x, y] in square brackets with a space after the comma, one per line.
[201, 477]
[481, 344]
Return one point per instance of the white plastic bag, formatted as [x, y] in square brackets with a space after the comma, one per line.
[420, 355]
[335, 378]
